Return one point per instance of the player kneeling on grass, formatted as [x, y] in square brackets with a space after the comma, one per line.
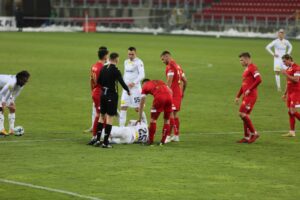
[162, 102]
[10, 88]
[251, 79]
[133, 133]
[292, 93]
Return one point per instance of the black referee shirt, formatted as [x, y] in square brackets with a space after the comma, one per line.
[109, 76]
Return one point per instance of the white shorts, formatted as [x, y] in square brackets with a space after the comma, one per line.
[122, 135]
[132, 101]
[278, 65]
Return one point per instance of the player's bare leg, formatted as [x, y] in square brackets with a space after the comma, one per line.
[89, 130]
[277, 79]
[11, 118]
[253, 134]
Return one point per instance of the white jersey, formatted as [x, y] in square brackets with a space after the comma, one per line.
[281, 47]
[134, 72]
[9, 90]
[129, 134]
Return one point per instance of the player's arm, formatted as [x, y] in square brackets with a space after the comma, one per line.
[184, 83]
[294, 78]
[5, 93]
[141, 75]
[141, 107]
[170, 76]
[290, 47]
[121, 80]
[239, 94]
[269, 48]
[256, 82]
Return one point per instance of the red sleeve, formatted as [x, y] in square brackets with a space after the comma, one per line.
[170, 70]
[240, 93]
[256, 83]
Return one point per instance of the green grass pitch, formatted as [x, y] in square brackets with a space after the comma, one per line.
[55, 107]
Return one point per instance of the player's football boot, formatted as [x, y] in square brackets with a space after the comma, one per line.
[175, 138]
[107, 146]
[97, 144]
[289, 134]
[253, 138]
[4, 132]
[168, 139]
[92, 142]
[244, 140]
[11, 132]
[161, 144]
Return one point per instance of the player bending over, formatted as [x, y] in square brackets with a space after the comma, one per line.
[10, 88]
[251, 79]
[292, 92]
[162, 102]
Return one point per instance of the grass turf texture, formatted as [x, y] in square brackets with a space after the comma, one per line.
[56, 104]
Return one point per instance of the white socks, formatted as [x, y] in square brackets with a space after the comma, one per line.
[277, 78]
[93, 115]
[11, 120]
[122, 118]
[1, 121]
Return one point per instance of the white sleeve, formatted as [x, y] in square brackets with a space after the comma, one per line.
[270, 46]
[16, 93]
[141, 75]
[290, 47]
[5, 92]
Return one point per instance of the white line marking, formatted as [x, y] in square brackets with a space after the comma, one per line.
[48, 189]
[229, 133]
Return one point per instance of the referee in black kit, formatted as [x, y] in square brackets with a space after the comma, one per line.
[108, 79]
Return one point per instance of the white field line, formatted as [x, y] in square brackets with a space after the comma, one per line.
[199, 133]
[48, 189]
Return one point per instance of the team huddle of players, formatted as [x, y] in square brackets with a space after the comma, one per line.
[167, 99]
[283, 62]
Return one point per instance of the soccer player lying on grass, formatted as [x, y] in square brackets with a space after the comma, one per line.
[162, 102]
[133, 133]
[251, 79]
[292, 92]
[10, 88]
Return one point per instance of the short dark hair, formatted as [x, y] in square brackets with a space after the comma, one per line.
[102, 53]
[245, 55]
[165, 53]
[113, 56]
[103, 48]
[22, 74]
[287, 57]
[145, 80]
[132, 49]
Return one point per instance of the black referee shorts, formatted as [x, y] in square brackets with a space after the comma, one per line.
[109, 104]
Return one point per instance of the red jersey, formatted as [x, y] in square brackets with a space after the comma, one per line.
[173, 69]
[249, 77]
[95, 72]
[293, 70]
[156, 88]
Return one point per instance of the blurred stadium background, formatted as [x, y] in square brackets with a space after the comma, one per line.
[164, 15]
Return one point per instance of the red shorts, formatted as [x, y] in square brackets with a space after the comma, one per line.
[96, 100]
[248, 103]
[293, 100]
[176, 103]
[160, 104]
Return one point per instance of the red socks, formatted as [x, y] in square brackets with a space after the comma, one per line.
[165, 133]
[172, 123]
[176, 127]
[246, 131]
[95, 125]
[249, 124]
[292, 121]
[152, 130]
